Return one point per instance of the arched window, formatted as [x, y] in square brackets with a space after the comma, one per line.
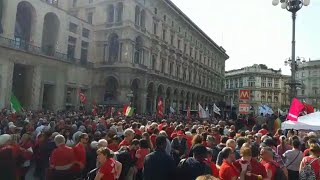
[119, 11]
[138, 50]
[110, 13]
[142, 18]
[113, 48]
[137, 15]
[25, 21]
[50, 33]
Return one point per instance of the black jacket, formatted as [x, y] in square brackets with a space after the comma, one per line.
[159, 165]
[190, 169]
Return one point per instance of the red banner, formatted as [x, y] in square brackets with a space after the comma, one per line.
[160, 108]
[295, 109]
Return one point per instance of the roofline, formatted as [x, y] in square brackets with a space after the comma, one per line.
[174, 7]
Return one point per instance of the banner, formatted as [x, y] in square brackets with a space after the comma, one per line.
[295, 109]
[216, 109]
[244, 108]
[202, 113]
[160, 108]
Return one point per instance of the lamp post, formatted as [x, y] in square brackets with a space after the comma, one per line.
[292, 6]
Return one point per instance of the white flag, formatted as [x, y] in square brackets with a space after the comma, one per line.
[280, 112]
[172, 110]
[216, 109]
[202, 112]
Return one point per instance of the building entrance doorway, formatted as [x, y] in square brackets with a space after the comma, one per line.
[22, 84]
[48, 97]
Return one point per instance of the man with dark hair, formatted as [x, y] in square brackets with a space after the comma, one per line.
[158, 165]
[192, 167]
[127, 158]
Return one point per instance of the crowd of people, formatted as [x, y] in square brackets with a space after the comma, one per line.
[76, 145]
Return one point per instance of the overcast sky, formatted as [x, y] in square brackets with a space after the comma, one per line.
[254, 31]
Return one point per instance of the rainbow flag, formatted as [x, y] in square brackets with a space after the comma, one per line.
[277, 124]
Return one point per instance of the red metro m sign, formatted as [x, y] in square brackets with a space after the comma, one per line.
[244, 94]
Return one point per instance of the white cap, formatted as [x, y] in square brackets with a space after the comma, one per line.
[4, 138]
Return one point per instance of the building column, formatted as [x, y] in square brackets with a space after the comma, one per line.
[6, 84]
[155, 97]
[143, 100]
[123, 95]
[36, 88]
[178, 104]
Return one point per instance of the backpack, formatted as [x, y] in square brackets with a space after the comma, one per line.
[279, 175]
[307, 173]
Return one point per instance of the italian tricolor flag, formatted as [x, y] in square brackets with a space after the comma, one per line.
[15, 105]
[128, 110]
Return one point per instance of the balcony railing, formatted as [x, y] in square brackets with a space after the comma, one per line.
[25, 46]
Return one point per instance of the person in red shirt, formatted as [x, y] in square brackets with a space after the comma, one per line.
[141, 153]
[62, 159]
[268, 162]
[136, 130]
[114, 145]
[215, 171]
[227, 170]
[154, 136]
[108, 170]
[312, 159]
[128, 137]
[80, 151]
[264, 129]
[255, 170]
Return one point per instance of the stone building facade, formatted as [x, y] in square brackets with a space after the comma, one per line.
[308, 75]
[114, 51]
[266, 86]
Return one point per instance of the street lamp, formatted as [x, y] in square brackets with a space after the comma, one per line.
[294, 67]
[292, 6]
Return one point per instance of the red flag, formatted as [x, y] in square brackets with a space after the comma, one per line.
[125, 108]
[83, 98]
[295, 109]
[188, 113]
[94, 108]
[160, 108]
[308, 108]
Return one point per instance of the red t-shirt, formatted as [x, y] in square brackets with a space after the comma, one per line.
[141, 154]
[153, 139]
[270, 166]
[254, 167]
[137, 132]
[113, 146]
[215, 171]
[306, 152]
[108, 169]
[62, 156]
[263, 131]
[124, 143]
[315, 166]
[80, 154]
[227, 171]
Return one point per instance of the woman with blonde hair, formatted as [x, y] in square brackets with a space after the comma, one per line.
[283, 146]
[207, 177]
[312, 159]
